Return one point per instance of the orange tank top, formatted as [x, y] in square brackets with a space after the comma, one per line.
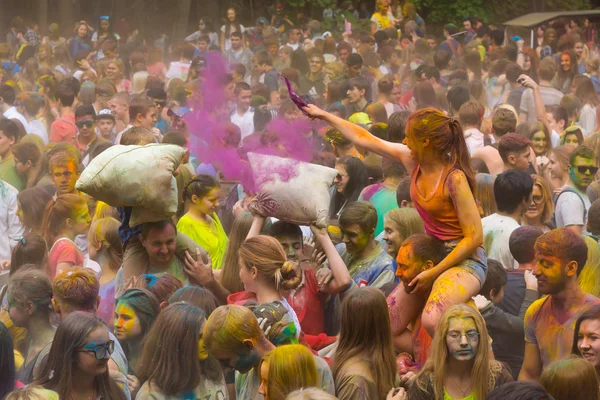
[437, 210]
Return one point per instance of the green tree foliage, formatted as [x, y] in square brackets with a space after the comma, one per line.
[491, 11]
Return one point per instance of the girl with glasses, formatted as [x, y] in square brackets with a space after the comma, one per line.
[77, 365]
[459, 366]
[541, 209]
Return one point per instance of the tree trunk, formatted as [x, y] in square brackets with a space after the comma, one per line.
[183, 17]
[43, 15]
[66, 16]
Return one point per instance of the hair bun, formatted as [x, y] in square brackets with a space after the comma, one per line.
[290, 276]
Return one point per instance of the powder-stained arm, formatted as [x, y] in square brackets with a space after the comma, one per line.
[363, 138]
[341, 277]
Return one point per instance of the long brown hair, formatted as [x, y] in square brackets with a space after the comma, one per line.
[57, 373]
[32, 203]
[447, 137]
[56, 214]
[230, 274]
[484, 369]
[268, 257]
[366, 335]
[170, 356]
[29, 151]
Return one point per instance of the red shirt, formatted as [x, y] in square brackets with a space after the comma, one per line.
[308, 302]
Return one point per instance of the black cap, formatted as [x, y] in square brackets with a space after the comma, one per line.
[354, 59]
[83, 110]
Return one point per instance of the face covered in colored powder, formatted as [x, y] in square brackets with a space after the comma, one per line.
[64, 178]
[292, 246]
[239, 362]
[582, 172]
[462, 338]
[126, 323]
[97, 346]
[588, 341]
[80, 220]
[355, 238]
[409, 266]
[550, 274]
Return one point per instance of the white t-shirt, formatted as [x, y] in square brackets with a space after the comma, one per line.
[570, 210]
[293, 46]
[37, 127]
[587, 119]
[10, 225]
[474, 139]
[496, 234]
[227, 43]
[244, 122]
[13, 113]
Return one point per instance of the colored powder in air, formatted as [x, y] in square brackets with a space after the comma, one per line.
[208, 125]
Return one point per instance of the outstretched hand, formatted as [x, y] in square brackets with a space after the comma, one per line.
[314, 112]
[526, 81]
[197, 270]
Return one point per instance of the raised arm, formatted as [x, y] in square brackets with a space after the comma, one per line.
[538, 102]
[363, 138]
[341, 277]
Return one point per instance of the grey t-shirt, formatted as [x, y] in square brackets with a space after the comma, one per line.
[570, 210]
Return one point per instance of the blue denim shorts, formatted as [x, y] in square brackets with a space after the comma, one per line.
[475, 264]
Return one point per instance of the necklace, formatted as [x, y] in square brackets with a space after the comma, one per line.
[464, 392]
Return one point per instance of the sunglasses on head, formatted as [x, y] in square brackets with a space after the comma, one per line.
[105, 17]
[88, 124]
[584, 169]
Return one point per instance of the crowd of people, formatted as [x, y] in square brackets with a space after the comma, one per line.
[461, 255]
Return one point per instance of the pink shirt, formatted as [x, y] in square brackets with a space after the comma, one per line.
[64, 129]
[64, 250]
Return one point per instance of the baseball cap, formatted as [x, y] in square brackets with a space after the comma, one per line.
[105, 114]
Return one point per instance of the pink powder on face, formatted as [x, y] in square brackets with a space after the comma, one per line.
[208, 120]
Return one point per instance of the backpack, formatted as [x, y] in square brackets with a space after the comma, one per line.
[568, 190]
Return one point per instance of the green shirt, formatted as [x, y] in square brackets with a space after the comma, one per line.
[8, 173]
[210, 236]
[448, 397]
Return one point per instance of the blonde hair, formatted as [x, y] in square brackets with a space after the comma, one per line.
[266, 255]
[310, 394]
[290, 367]
[104, 232]
[484, 369]
[406, 221]
[32, 393]
[227, 328]
[573, 378]
[544, 186]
